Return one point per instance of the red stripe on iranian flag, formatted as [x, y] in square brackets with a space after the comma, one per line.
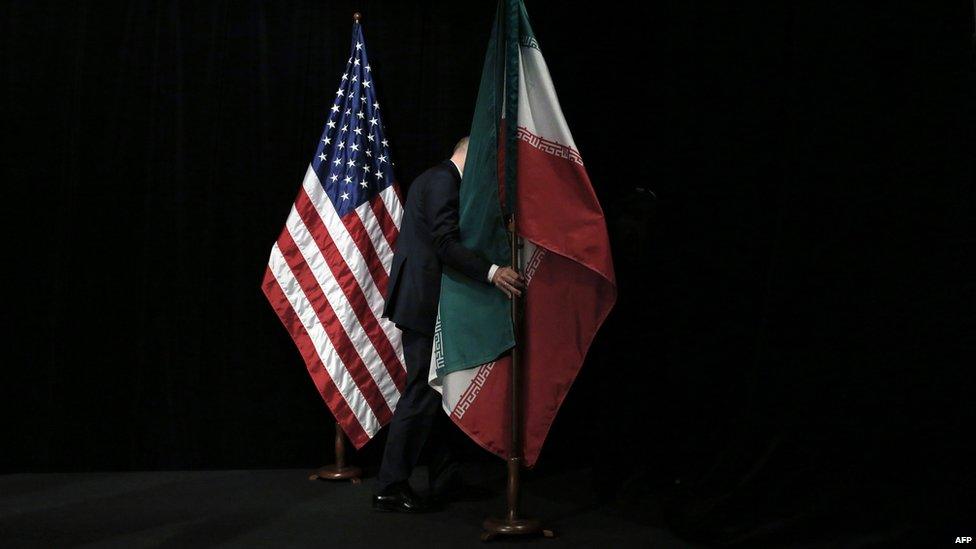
[333, 326]
[374, 337]
[566, 216]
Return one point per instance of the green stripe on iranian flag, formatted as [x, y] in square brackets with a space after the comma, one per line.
[474, 318]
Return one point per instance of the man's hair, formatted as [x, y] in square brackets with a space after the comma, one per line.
[462, 144]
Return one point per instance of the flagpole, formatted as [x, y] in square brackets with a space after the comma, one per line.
[513, 524]
[339, 470]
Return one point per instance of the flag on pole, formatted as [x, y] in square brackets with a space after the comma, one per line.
[566, 260]
[329, 268]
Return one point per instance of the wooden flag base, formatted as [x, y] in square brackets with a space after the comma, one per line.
[339, 471]
[513, 524]
[494, 527]
[334, 472]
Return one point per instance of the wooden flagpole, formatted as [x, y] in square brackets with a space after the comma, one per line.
[513, 524]
[339, 470]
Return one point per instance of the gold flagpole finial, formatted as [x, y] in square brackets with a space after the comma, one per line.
[356, 16]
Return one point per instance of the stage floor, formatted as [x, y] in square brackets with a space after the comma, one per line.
[282, 508]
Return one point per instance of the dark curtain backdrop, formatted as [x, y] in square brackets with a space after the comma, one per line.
[793, 345]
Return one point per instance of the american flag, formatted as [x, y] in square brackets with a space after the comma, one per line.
[328, 271]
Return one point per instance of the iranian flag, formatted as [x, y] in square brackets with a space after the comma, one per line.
[531, 168]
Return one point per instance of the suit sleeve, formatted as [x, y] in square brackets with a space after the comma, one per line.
[441, 210]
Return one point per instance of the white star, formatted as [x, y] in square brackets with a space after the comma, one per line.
[355, 62]
[354, 146]
[334, 177]
[345, 128]
[331, 124]
[378, 174]
[369, 153]
[367, 68]
[348, 111]
[373, 121]
[348, 179]
[366, 167]
[382, 159]
[342, 145]
[376, 105]
[360, 115]
[364, 184]
[385, 142]
[345, 76]
[335, 108]
[369, 136]
[322, 156]
[327, 140]
[358, 131]
[339, 93]
[359, 46]
[355, 78]
[351, 163]
[366, 83]
[363, 99]
[345, 196]
[337, 161]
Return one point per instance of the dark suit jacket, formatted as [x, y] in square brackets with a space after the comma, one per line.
[428, 239]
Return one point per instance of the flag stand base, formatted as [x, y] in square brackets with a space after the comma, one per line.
[334, 472]
[494, 527]
[339, 471]
[513, 524]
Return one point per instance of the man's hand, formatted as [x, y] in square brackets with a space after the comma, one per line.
[509, 281]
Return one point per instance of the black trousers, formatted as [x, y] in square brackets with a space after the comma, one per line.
[413, 419]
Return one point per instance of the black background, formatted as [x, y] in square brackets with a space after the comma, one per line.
[792, 351]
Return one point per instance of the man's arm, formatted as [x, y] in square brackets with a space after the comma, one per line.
[441, 210]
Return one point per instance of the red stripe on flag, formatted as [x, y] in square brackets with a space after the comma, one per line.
[350, 287]
[398, 191]
[323, 382]
[566, 216]
[386, 222]
[330, 323]
[360, 237]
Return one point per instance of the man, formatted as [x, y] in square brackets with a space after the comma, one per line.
[429, 239]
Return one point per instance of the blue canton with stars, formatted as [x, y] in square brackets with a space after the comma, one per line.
[353, 158]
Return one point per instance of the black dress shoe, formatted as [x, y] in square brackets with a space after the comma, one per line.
[400, 498]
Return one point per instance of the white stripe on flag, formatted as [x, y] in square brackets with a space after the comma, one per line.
[375, 233]
[340, 304]
[352, 256]
[320, 339]
[538, 108]
[392, 202]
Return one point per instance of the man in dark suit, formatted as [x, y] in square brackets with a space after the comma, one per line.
[429, 239]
